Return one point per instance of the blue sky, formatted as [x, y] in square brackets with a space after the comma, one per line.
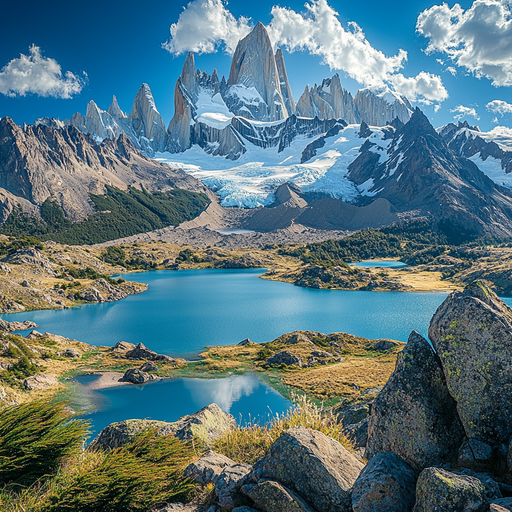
[112, 48]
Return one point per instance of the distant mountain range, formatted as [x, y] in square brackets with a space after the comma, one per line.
[330, 160]
[254, 106]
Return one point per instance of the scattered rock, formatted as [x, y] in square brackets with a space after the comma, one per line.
[272, 497]
[208, 467]
[387, 483]
[71, 352]
[313, 465]
[472, 333]
[226, 484]
[414, 416]
[284, 357]
[298, 338]
[122, 346]
[383, 345]
[245, 342]
[358, 434]
[206, 424]
[137, 376]
[40, 381]
[141, 352]
[149, 367]
[501, 505]
[16, 326]
[438, 490]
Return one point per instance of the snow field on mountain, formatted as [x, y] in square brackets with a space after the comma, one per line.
[251, 180]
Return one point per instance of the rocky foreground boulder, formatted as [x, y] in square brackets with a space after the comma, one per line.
[415, 416]
[313, 465]
[472, 334]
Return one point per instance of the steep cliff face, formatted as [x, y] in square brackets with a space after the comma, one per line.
[379, 106]
[286, 90]
[254, 85]
[328, 101]
[66, 165]
[146, 120]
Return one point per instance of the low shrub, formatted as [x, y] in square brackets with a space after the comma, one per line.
[34, 439]
[135, 477]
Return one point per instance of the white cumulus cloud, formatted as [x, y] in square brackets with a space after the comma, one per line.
[39, 75]
[462, 111]
[424, 88]
[499, 107]
[319, 31]
[478, 39]
[203, 26]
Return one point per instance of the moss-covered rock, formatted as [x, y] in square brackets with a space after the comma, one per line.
[206, 425]
[414, 416]
[472, 333]
[438, 490]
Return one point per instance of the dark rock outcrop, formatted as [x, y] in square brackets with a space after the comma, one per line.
[472, 333]
[138, 376]
[414, 416]
[284, 357]
[141, 352]
[386, 483]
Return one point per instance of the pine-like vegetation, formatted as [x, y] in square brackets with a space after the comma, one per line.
[118, 214]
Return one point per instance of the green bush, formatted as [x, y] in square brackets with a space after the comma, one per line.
[135, 477]
[34, 439]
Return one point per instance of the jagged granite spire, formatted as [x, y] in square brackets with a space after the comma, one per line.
[115, 111]
[286, 90]
[150, 123]
[254, 83]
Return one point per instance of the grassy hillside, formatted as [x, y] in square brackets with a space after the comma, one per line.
[118, 214]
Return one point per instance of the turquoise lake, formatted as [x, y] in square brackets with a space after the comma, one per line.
[183, 311]
[244, 396]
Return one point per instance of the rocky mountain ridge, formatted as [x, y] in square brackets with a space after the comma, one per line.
[257, 96]
[61, 163]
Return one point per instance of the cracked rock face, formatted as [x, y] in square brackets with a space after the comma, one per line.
[472, 333]
[315, 466]
[414, 416]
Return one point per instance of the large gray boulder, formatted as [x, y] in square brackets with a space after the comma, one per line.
[472, 333]
[386, 483]
[414, 416]
[207, 425]
[142, 352]
[206, 470]
[270, 496]
[438, 490]
[313, 465]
